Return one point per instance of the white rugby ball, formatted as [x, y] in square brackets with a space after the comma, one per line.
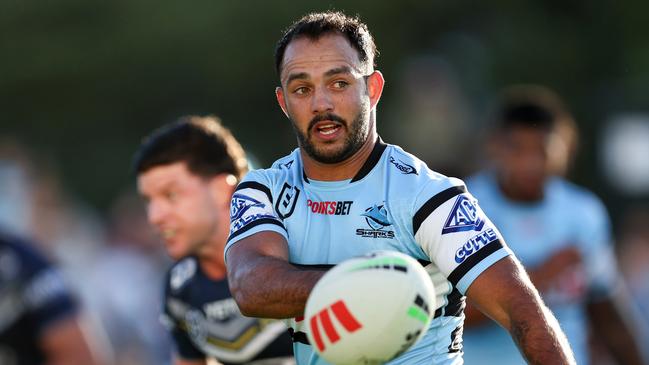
[370, 309]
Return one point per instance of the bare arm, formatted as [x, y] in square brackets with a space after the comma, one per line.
[504, 293]
[263, 282]
[180, 361]
[610, 325]
[65, 343]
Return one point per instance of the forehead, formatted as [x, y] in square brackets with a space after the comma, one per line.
[315, 56]
[527, 136]
[163, 176]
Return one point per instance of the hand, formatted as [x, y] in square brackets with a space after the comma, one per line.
[551, 271]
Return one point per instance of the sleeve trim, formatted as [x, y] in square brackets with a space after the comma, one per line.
[255, 224]
[257, 186]
[473, 260]
[434, 203]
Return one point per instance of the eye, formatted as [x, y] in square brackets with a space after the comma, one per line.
[302, 90]
[171, 196]
[340, 84]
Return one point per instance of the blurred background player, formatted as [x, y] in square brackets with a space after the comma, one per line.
[560, 232]
[40, 319]
[187, 172]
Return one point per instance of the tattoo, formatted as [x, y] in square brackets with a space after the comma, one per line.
[519, 333]
[532, 349]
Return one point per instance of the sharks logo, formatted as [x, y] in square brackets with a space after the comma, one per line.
[464, 217]
[403, 167]
[376, 217]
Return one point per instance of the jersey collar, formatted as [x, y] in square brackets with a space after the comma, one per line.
[372, 160]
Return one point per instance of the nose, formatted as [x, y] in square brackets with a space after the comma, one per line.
[156, 212]
[322, 101]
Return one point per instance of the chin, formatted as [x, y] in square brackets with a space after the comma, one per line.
[176, 253]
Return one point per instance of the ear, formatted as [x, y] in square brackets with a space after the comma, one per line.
[375, 83]
[221, 189]
[279, 93]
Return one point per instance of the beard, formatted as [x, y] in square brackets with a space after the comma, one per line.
[358, 132]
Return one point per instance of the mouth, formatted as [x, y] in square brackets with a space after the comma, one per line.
[168, 233]
[327, 129]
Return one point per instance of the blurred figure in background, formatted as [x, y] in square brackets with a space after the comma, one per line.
[634, 256]
[129, 269]
[40, 319]
[187, 172]
[561, 232]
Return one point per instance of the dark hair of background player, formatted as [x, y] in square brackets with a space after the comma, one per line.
[203, 143]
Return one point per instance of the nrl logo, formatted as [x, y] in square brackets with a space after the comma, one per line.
[403, 167]
[287, 199]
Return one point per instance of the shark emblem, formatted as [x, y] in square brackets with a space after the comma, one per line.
[377, 216]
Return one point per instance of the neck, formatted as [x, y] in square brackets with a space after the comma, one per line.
[518, 195]
[212, 267]
[211, 259]
[343, 170]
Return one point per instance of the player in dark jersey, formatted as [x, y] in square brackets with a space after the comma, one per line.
[40, 320]
[329, 90]
[187, 172]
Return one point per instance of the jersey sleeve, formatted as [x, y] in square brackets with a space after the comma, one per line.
[47, 295]
[176, 328]
[251, 209]
[456, 234]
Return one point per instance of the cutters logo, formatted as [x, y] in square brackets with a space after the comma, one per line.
[474, 244]
[377, 218]
[403, 167]
[322, 318]
[330, 208]
[464, 217]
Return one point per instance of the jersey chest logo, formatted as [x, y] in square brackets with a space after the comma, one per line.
[287, 200]
[376, 218]
[464, 217]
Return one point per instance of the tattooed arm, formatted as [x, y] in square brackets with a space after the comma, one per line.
[505, 293]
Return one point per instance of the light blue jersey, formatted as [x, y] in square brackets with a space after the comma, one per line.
[568, 216]
[394, 203]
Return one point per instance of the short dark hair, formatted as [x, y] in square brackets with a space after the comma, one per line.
[531, 106]
[315, 25]
[203, 143]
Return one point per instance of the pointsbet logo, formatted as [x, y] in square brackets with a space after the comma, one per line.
[330, 207]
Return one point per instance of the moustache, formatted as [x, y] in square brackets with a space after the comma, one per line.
[327, 116]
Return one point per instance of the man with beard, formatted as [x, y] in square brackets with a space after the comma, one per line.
[187, 172]
[312, 207]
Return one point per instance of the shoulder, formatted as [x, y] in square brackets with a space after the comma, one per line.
[581, 201]
[283, 169]
[181, 274]
[21, 256]
[414, 174]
